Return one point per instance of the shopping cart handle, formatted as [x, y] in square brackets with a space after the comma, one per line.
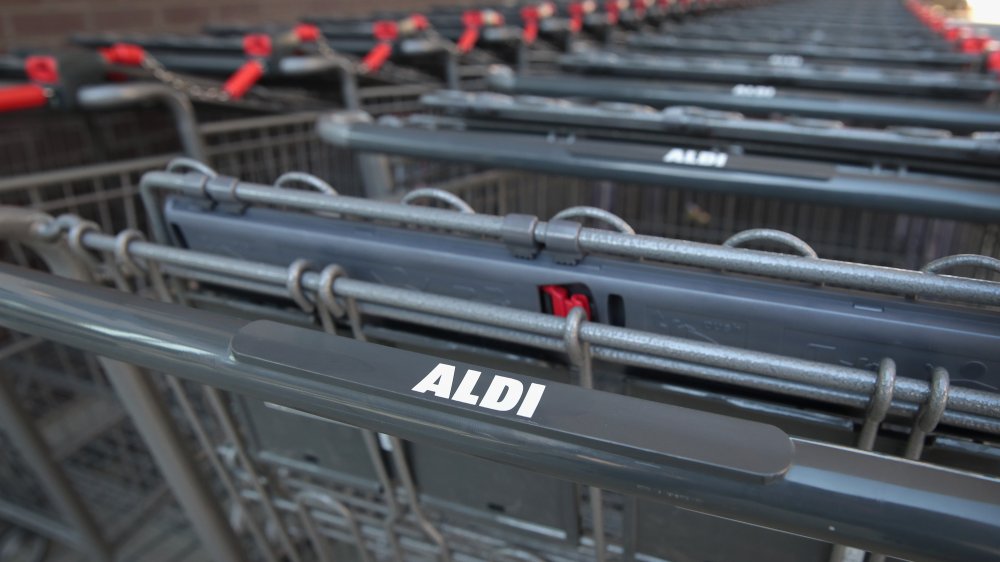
[906, 509]
[27, 96]
[640, 429]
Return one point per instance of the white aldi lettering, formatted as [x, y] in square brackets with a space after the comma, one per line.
[702, 158]
[503, 393]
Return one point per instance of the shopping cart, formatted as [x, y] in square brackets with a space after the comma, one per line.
[76, 471]
[294, 494]
[888, 218]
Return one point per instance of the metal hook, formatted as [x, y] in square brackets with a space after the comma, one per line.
[962, 260]
[441, 195]
[878, 406]
[930, 413]
[577, 350]
[579, 354]
[294, 285]
[307, 179]
[123, 258]
[75, 241]
[771, 235]
[48, 229]
[607, 217]
[183, 163]
[326, 293]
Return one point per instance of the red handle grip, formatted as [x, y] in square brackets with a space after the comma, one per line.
[28, 96]
[468, 39]
[377, 57]
[243, 79]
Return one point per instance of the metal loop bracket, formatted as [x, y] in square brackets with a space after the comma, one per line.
[794, 243]
[294, 285]
[606, 217]
[941, 265]
[185, 164]
[446, 197]
[305, 179]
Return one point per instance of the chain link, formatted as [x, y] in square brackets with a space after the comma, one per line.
[194, 91]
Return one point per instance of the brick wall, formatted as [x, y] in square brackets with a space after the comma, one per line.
[47, 23]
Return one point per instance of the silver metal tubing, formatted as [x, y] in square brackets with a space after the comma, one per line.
[769, 264]
[967, 407]
[116, 95]
[920, 512]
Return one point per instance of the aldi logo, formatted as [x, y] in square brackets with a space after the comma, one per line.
[702, 158]
[503, 394]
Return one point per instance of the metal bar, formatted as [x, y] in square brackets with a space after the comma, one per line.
[982, 407]
[342, 380]
[58, 488]
[957, 117]
[173, 459]
[809, 181]
[101, 97]
[38, 523]
[852, 275]
[139, 398]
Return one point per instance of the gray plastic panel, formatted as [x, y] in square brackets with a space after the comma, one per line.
[335, 450]
[807, 322]
[741, 450]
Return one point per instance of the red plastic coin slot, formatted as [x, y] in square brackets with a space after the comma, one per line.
[307, 33]
[257, 45]
[124, 54]
[419, 22]
[42, 69]
[576, 13]
[385, 30]
[529, 15]
[558, 301]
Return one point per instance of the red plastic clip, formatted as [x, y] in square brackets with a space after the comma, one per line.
[639, 7]
[243, 79]
[576, 12]
[562, 302]
[419, 22]
[385, 30]
[993, 62]
[42, 69]
[307, 33]
[473, 21]
[529, 15]
[613, 10]
[124, 54]
[257, 45]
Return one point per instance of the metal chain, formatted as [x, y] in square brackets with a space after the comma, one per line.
[194, 91]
